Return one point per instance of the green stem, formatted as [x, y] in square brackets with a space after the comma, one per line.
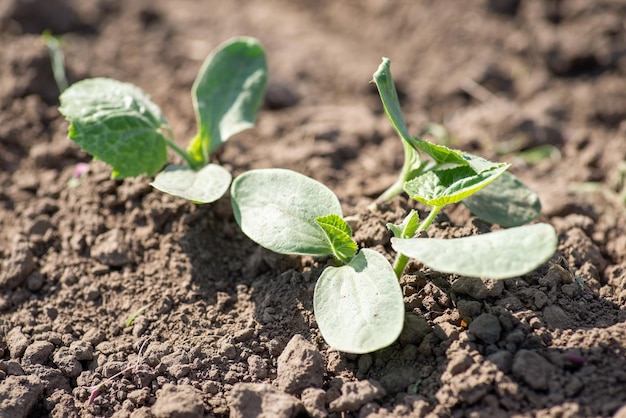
[411, 157]
[169, 140]
[401, 260]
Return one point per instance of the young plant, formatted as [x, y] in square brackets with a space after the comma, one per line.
[453, 176]
[119, 124]
[358, 305]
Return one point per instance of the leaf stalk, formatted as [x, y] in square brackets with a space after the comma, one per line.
[401, 260]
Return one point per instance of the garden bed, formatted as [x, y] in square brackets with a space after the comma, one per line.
[226, 328]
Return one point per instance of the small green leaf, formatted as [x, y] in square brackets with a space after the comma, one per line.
[359, 307]
[339, 236]
[442, 187]
[228, 93]
[496, 255]
[117, 123]
[277, 209]
[408, 227]
[506, 201]
[203, 186]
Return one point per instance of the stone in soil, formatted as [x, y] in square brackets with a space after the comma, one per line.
[18, 395]
[262, 400]
[300, 366]
[182, 401]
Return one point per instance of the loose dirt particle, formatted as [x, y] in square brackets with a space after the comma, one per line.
[356, 394]
[261, 399]
[18, 395]
[182, 401]
[486, 328]
[533, 369]
[299, 366]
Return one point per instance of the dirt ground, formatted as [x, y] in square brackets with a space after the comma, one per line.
[227, 328]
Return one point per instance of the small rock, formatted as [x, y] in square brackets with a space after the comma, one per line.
[487, 328]
[314, 401]
[181, 401]
[556, 318]
[299, 366]
[16, 342]
[502, 359]
[356, 394]
[459, 363]
[111, 250]
[471, 308]
[94, 336]
[415, 329]
[477, 288]
[34, 281]
[18, 395]
[66, 362]
[262, 400]
[256, 367]
[38, 352]
[533, 369]
[20, 264]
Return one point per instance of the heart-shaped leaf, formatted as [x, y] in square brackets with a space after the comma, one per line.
[203, 186]
[277, 209]
[496, 255]
[359, 307]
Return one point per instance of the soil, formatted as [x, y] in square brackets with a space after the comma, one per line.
[225, 328]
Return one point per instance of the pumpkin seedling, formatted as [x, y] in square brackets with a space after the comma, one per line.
[119, 124]
[486, 188]
[359, 305]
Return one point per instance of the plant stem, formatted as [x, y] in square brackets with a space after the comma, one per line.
[169, 140]
[411, 157]
[401, 260]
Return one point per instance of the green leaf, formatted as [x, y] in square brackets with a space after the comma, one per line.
[442, 187]
[359, 307]
[228, 93]
[277, 209]
[506, 201]
[117, 123]
[389, 97]
[408, 227]
[203, 186]
[496, 255]
[339, 235]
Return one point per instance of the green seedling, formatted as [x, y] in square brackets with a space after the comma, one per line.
[119, 124]
[57, 59]
[359, 305]
[486, 188]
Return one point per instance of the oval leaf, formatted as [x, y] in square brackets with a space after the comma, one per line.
[442, 187]
[228, 93]
[507, 202]
[117, 123]
[277, 209]
[203, 186]
[339, 235]
[359, 306]
[496, 255]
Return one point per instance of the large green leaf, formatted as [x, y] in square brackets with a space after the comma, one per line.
[203, 186]
[506, 201]
[359, 306]
[442, 187]
[277, 209]
[227, 93]
[496, 255]
[339, 235]
[117, 123]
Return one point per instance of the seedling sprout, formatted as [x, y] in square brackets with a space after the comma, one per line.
[358, 304]
[119, 124]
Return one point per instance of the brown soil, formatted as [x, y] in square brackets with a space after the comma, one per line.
[228, 328]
